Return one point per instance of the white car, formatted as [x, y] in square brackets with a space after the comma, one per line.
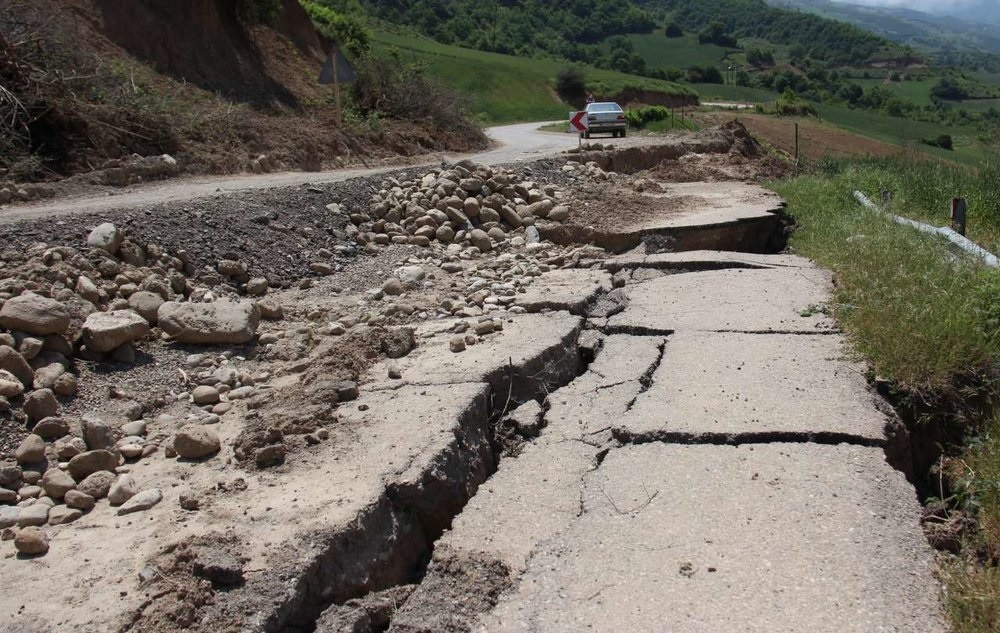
[604, 118]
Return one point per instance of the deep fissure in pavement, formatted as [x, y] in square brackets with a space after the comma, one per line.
[391, 545]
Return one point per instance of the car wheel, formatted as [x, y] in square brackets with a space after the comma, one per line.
[624, 133]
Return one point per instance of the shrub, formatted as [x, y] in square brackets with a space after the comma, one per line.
[641, 117]
[673, 30]
[944, 141]
[403, 92]
[346, 30]
[571, 84]
[704, 75]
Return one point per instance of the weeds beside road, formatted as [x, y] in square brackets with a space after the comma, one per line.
[928, 321]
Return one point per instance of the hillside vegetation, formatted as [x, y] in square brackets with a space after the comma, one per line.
[825, 40]
[137, 80]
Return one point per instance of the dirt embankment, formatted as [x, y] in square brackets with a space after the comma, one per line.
[93, 82]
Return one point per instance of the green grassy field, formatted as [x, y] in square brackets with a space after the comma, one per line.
[506, 89]
[719, 92]
[907, 132]
[919, 92]
[664, 52]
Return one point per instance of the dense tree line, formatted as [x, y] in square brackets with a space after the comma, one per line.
[821, 38]
[561, 28]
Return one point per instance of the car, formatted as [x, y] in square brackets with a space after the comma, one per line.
[605, 117]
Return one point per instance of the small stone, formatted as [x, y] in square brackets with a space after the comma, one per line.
[56, 483]
[484, 327]
[97, 485]
[203, 395]
[9, 516]
[194, 441]
[9, 473]
[395, 372]
[61, 515]
[69, 447]
[257, 287]
[107, 237]
[189, 502]
[124, 488]
[79, 500]
[7, 496]
[41, 404]
[86, 464]
[481, 240]
[393, 287]
[269, 455]
[106, 331]
[97, 433]
[457, 344]
[36, 514]
[146, 304]
[31, 450]
[31, 542]
[142, 501]
[51, 428]
[222, 408]
[136, 428]
[30, 347]
[65, 385]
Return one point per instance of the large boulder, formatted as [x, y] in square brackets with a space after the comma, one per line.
[104, 331]
[106, 237]
[218, 323]
[34, 314]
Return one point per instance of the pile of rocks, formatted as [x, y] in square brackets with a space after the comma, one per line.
[60, 473]
[61, 303]
[466, 204]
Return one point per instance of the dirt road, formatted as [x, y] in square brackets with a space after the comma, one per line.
[520, 142]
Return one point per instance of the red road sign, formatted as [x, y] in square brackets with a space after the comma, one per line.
[578, 121]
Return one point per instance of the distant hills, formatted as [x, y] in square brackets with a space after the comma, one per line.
[950, 39]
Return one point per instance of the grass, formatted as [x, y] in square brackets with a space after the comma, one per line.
[503, 88]
[908, 133]
[920, 318]
[973, 598]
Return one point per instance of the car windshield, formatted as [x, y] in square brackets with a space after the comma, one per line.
[604, 107]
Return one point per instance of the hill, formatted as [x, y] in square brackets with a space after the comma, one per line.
[820, 38]
[947, 39]
[507, 88]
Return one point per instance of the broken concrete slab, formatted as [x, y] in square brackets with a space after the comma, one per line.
[571, 289]
[529, 343]
[702, 260]
[769, 300]
[727, 387]
[703, 539]
[534, 496]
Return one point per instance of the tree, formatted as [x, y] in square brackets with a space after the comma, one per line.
[673, 30]
[948, 88]
[571, 84]
[715, 33]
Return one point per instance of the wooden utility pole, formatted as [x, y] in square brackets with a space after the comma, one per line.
[796, 142]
